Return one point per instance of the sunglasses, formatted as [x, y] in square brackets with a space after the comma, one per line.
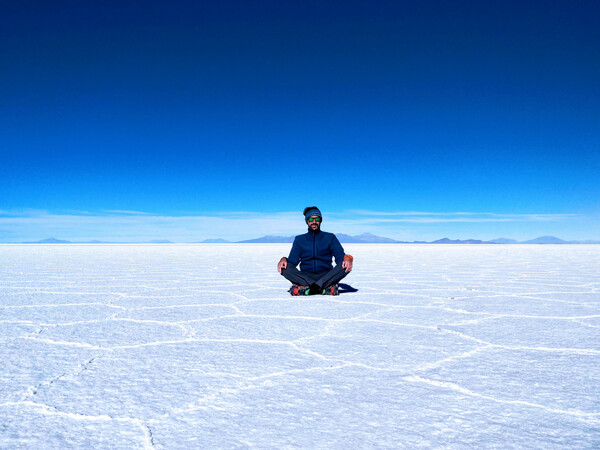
[314, 219]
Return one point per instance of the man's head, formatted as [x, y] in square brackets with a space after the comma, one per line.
[313, 217]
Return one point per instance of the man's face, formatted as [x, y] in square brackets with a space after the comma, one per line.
[314, 223]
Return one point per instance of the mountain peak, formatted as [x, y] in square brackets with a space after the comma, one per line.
[52, 241]
[546, 240]
[366, 238]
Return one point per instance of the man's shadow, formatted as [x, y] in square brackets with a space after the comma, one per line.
[346, 288]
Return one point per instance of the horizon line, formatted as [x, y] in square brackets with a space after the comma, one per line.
[52, 240]
[127, 225]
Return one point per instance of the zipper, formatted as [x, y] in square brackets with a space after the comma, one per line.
[314, 253]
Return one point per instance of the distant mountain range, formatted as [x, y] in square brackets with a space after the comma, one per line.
[49, 241]
[61, 241]
[270, 240]
[365, 238]
[368, 238]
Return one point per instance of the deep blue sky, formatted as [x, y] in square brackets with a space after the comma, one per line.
[186, 109]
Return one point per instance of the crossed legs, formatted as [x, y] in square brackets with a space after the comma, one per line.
[322, 279]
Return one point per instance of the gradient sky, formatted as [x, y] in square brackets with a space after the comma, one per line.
[136, 120]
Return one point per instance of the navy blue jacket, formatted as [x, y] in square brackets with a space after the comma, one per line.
[314, 251]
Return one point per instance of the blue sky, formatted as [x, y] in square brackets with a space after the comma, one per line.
[194, 120]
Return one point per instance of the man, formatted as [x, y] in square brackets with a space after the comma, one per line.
[313, 251]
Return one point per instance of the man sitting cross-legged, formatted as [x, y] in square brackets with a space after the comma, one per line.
[314, 251]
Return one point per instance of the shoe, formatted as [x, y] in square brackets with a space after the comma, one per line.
[332, 290]
[298, 290]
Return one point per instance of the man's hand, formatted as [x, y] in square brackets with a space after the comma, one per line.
[282, 264]
[347, 263]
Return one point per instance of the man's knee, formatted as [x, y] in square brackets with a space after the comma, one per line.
[287, 269]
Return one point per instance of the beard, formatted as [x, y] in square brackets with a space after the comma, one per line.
[314, 229]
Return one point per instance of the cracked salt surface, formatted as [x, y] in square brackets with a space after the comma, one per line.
[187, 346]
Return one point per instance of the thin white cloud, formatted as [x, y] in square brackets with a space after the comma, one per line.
[426, 216]
[142, 227]
[26, 212]
[366, 212]
[133, 213]
[138, 226]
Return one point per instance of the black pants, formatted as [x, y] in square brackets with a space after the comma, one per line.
[323, 279]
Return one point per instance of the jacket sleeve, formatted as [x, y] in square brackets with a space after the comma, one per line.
[338, 250]
[294, 257]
